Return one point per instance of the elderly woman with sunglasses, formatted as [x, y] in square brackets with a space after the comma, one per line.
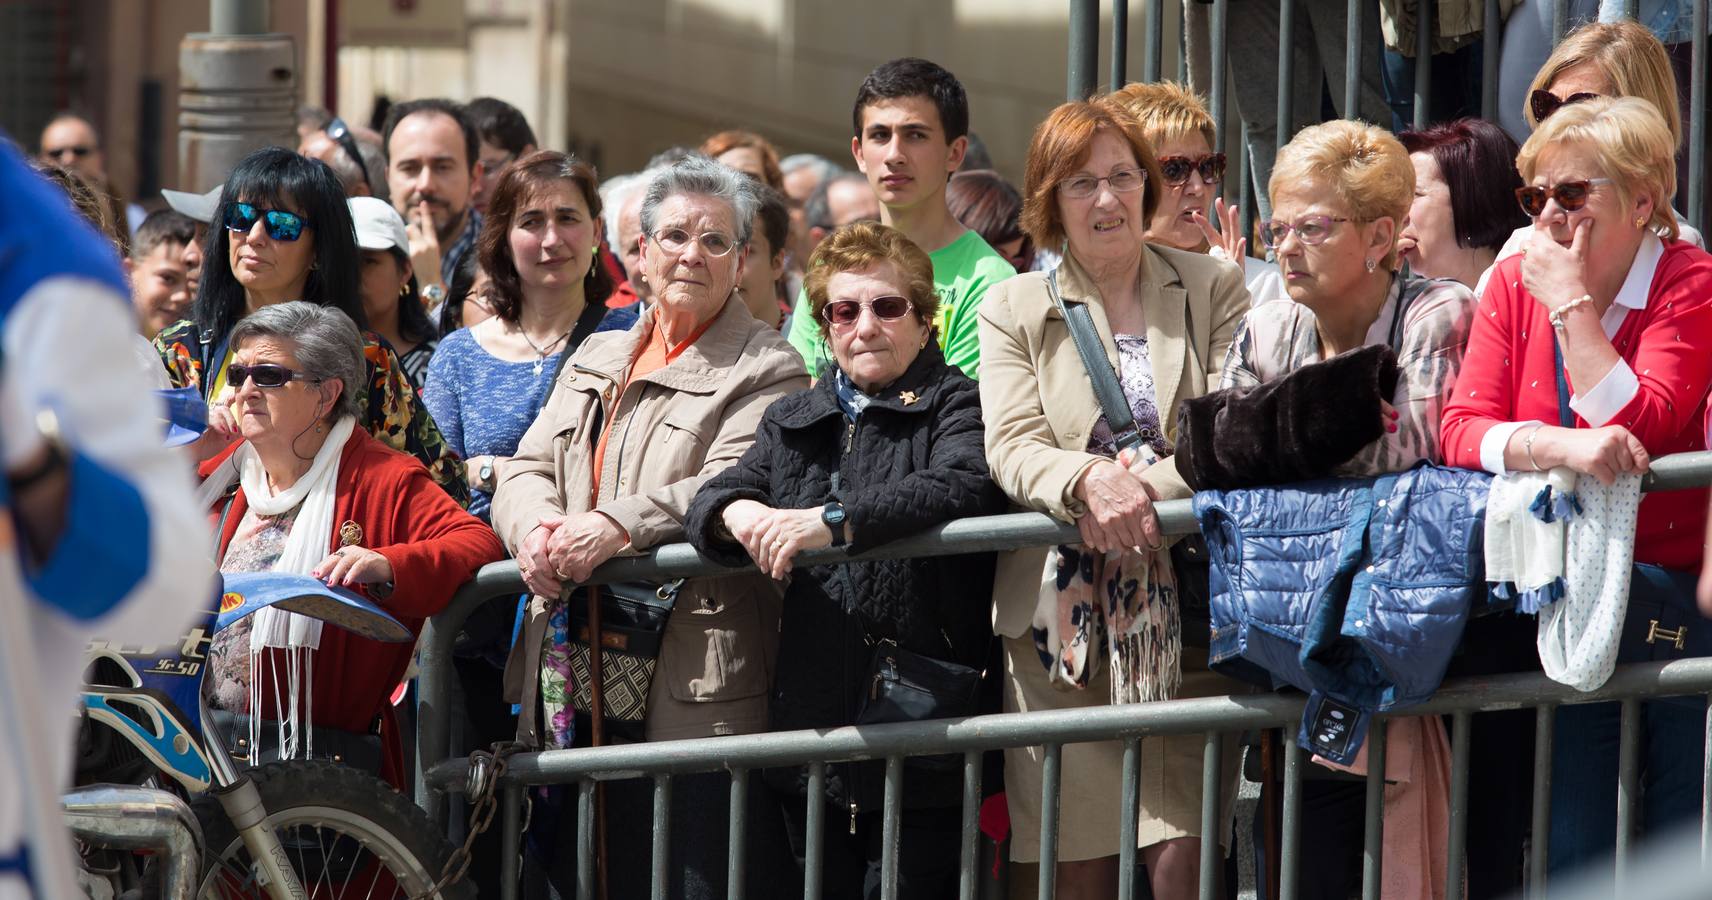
[888, 444]
[1606, 286]
[309, 491]
[288, 235]
[1164, 318]
[635, 424]
[1191, 216]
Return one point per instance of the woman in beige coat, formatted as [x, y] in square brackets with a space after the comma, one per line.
[637, 422]
[1165, 318]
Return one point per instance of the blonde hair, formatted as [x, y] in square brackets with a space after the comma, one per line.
[1167, 111]
[1369, 170]
[1630, 142]
[1631, 60]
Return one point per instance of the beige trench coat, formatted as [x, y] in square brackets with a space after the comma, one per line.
[1040, 409]
[671, 431]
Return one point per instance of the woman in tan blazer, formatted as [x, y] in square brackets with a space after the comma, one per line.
[637, 422]
[1165, 318]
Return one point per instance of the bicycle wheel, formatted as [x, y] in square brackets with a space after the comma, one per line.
[345, 833]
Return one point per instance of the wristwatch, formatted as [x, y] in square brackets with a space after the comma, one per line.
[833, 515]
[435, 294]
[484, 475]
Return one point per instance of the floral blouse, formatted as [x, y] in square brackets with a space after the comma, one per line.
[1277, 338]
[396, 416]
[256, 546]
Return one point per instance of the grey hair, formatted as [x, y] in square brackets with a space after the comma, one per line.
[823, 168]
[701, 176]
[817, 211]
[328, 344]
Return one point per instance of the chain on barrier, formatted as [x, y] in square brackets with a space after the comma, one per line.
[487, 768]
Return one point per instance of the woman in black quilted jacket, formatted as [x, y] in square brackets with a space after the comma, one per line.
[887, 444]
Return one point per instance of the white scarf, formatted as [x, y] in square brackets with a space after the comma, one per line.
[306, 546]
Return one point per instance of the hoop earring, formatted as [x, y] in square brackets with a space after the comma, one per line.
[404, 291]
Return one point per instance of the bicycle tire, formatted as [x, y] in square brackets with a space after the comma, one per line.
[324, 798]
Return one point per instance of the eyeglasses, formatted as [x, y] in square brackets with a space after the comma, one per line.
[1313, 230]
[1123, 181]
[844, 313]
[341, 135]
[281, 225]
[1544, 103]
[1175, 169]
[77, 151]
[266, 375]
[1570, 195]
[677, 240]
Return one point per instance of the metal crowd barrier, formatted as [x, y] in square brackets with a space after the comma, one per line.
[439, 768]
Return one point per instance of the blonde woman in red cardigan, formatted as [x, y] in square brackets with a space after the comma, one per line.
[318, 496]
[1605, 278]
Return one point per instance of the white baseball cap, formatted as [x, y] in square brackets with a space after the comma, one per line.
[200, 207]
[379, 226]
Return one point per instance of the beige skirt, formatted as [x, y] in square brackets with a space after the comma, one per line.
[1089, 796]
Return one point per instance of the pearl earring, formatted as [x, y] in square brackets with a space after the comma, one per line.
[1371, 263]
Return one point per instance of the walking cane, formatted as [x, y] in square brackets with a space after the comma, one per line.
[597, 730]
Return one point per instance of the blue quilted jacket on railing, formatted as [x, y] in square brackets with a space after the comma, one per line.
[1355, 590]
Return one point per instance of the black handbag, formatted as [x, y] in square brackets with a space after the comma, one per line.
[633, 616]
[905, 686]
[362, 751]
[1189, 558]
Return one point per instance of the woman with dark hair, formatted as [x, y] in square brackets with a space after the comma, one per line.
[1465, 175]
[987, 204]
[539, 246]
[288, 235]
[467, 303]
[389, 286]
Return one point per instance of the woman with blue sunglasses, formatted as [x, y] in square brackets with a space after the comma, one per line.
[285, 233]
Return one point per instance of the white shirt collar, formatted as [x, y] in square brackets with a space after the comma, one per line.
[1639, 283]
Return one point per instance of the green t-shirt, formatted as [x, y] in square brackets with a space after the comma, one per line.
[962, 272]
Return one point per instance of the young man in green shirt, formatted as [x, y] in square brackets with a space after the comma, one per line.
[912, 125]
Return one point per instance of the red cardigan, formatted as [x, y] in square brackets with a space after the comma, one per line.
[434, 547]
[1507, 376]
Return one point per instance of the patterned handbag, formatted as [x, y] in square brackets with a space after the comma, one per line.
[633, 617]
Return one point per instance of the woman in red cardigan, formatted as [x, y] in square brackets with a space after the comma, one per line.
[1603, 277]
[320, 497]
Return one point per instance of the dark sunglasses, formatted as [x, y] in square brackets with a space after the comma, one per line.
[1544, 103]
[1175, 169]
[341, 135]
[281, 225]
[79, 152]
[844, 313]
[1570, 195]
[266, 375]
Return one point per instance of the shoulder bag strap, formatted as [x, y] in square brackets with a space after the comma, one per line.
[1100, 373]
[1565, 415]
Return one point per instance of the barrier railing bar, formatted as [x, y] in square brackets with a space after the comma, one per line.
[585, 839]
[1220, 28]
[1372, 844]
[1697, 120]
[1120, 42]
[1545, 721]
[814, 833]
[1424, 26]
[1560, 20]
[736, 859]
[1049, 778]
[1245, 188]
[660, 858]
[1490, 43]
[970, 852]
[1706, 793]
[1628, 785]
[1212, 825]
[1084, 48]
[510, 842]
[1631, 9]
[1290, 843]
[891, 813]
[1462, 723]
[1352, 60]
[1286, 70]
[1182, 56]
[1152, 39]
[1129, 827]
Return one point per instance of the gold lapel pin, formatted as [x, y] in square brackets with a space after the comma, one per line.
[350, 534]
[908, 397]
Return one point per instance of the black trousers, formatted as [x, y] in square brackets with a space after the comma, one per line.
[928, 845]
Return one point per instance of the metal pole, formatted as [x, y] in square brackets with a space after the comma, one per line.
[658, 882]
[1560, 20]
[814, 856]
[1084, 48]
[735, 861]
[511, 843]
[238, 16]
[1153, 38]
[1120, 42]
[1489, 47]
[1697, 120]
[1424, 26]
[1463, 723]
[889, 827]
[1049, 778]
[970, 854]
[1286, 70]
[1628, 785]
[1289, 851]
[237, 92]
[1706, 792]
[1220, 27]
[1211, 827]
[1545, 720]
[1352, 61]
[1373, 848]
[585, 839]
[1129, 807]
[1631, 9]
